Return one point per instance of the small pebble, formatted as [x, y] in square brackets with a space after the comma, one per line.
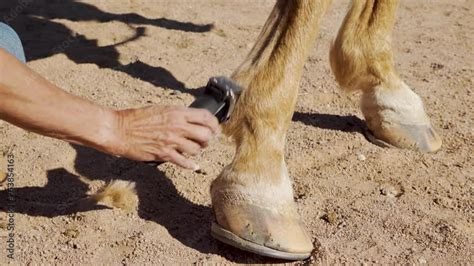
[422, 260]
[361, 157]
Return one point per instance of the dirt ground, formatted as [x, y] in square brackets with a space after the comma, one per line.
[360, 202]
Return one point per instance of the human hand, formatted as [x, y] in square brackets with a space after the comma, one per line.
[162, 133]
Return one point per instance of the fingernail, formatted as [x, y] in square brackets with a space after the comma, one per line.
[196, 168]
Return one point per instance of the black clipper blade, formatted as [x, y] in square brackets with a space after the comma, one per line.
[219, 98]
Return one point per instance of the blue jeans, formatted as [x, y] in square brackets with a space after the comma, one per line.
[10, 41]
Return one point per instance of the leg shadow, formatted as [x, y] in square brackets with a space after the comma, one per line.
[332, 122]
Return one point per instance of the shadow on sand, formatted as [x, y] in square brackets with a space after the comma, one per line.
[42, 36]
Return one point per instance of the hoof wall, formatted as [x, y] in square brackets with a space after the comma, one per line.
[415, 137]
[396, 117]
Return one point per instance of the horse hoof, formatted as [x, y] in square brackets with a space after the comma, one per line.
[260, 218]
[396, 117]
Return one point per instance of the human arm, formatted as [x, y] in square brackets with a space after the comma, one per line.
[148, 134]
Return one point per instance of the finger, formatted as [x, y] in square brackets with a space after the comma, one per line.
[178, 159]
[187, 146]
[187, 138]
[199, 134]
[204, 118]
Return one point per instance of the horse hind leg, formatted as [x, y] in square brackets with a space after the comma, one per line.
[362, 59]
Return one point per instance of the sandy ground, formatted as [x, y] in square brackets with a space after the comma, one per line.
[384, 205]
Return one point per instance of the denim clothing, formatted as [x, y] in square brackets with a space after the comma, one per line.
[10, 41]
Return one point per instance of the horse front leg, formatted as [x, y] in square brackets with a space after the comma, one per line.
[253, 198]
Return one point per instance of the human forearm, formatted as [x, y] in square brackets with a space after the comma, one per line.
[29, 101]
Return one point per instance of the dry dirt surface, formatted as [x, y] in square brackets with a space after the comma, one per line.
[360, 202]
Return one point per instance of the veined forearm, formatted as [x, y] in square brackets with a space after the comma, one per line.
[31, 102]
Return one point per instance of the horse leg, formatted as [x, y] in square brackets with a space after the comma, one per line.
[362, 59]
[253, 198]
